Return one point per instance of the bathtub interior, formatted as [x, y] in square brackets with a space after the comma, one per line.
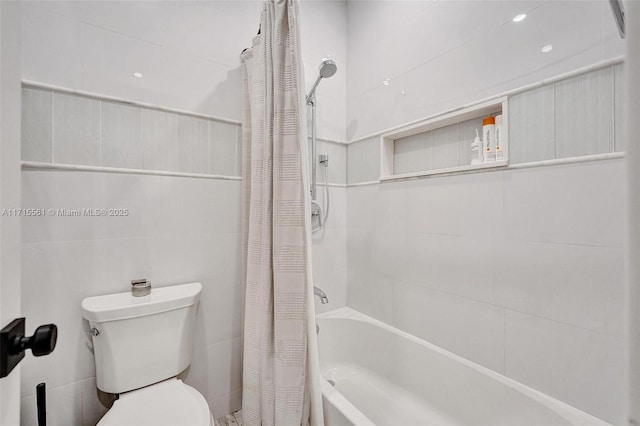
[391, 377]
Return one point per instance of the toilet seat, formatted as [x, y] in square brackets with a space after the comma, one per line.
[170, 403]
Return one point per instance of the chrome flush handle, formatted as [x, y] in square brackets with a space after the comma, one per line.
[92, 331]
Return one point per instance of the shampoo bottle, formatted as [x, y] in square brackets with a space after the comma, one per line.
[477, 156]
[499, 139]
[489, 139]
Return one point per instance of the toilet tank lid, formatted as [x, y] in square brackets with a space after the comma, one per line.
[112, 307]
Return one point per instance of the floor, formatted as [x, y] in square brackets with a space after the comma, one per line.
[233, 419]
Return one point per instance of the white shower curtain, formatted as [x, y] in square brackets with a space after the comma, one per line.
[280, 364]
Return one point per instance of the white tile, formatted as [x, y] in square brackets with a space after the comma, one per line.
[67, 190]
[470, 329]
[468, 205]
[331, 114]
[226, 404]
[445, 147]
[36, 125]
[338, 207]
[172, 76]
[193, 145]
[354, 163]
[532, 125]
[160, 145]
[577, 285]
[52, 282]
[223, 148]
[51, 46]
[188, 26]
[214, 205]
[452, 264]
[225, 361]
[557, 204]
[619, 106]
[580, 367]
[167, 257]
[234, 255]
[367, 207]
[584, 114]
[145, 200]
[93, 401]
[64, 406]
[221, 300]
[121, 137]
[371, 294]
[76, 130]
[370, 159]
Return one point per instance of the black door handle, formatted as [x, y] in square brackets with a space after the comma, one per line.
[13, 343]
[43, 341]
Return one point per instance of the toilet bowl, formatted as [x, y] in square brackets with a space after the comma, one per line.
[140, 345]
[170, 403]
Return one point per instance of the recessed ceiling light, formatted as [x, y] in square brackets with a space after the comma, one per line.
[137, 74]
[546, 49]
[519, 18]
[386, 81]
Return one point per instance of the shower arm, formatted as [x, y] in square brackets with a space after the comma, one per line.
[311, 97]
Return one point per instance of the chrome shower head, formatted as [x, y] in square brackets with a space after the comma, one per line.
[327, 69]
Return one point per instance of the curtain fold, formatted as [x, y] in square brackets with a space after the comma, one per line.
[280, 363]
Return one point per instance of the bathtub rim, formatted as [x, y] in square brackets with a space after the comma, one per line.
[568, 412]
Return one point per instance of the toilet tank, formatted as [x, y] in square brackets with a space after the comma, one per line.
[139, 341]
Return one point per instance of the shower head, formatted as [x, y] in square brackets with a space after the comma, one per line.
[327, 69]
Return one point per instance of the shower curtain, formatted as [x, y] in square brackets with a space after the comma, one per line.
[280, 364]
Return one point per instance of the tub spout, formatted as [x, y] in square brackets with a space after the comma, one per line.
[321, 294]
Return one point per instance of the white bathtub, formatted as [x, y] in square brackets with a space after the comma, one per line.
[384, 376]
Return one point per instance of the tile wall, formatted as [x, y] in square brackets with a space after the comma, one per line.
[520, 270]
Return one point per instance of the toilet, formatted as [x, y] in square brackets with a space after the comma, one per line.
[140, 345]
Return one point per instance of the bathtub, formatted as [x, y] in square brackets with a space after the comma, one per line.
[378, 375]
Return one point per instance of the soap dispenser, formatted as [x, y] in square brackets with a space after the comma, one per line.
[476, 150]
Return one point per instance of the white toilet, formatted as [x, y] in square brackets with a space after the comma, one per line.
[140, 344]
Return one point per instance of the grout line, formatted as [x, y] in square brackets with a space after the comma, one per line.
[141, 141]
[52, 128]
[555, 121]
[613, 107]
[209, 162]
[100, 132]
[504, 341]
[37, 165]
